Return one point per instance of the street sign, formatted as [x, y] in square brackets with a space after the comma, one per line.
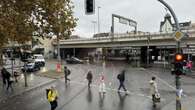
[178, 35]
[123, 21]
[132, 23]
[188, 51]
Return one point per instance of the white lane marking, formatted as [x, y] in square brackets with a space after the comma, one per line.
[163, 81]
[115, 90]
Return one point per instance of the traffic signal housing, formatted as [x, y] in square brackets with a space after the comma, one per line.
[179, 57]
[89, 6]
[178, 64]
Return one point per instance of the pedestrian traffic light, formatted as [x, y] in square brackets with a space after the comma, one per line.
[178, 64]
[89, 6]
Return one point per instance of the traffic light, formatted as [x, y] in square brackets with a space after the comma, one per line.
[179, 57]
[89, 6]
[178, 64]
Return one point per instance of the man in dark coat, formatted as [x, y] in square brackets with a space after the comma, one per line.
[8, 79]
[3, 75]
[66, 74]
[121, 78]
[89, 78]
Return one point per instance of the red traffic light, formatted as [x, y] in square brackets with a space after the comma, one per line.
[179, 57]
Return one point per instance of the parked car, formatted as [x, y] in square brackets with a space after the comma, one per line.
[30, 67]
[39, 59]
[74, 60]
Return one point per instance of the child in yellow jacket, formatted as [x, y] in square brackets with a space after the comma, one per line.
[52, 98]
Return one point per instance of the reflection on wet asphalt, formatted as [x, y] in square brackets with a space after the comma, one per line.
[77, 96]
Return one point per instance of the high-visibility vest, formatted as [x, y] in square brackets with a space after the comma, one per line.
[52, 95]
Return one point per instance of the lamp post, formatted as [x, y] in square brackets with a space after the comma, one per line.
[177, 77]
[23, 58]
[148, 50]
[98, 19]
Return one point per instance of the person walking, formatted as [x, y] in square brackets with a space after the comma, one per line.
[8, 80]
[3, 75]
[121, 78]
[153, 89]
[67, 72]
[52, 97]
[189, 65]
[89, 78]
[102, 86]
[16, 75]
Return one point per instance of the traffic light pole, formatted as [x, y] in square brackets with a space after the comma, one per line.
[177, 77]
[178, 84]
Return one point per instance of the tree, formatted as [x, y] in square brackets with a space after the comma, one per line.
[58, 15]
[20, 20]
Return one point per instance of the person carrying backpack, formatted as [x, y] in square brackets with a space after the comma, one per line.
[89, 78]
[52, 97]
[67, 72]
[121, 78]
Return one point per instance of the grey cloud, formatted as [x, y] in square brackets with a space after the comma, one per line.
[148, 14]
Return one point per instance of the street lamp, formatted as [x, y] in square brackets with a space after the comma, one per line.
[24, 59]
[98, 19]
[94, 23]
[148, 49]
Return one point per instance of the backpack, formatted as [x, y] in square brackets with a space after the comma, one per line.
[119, 76]
[69, 72]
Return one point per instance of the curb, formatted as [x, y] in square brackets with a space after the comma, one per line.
[28, 90]
[50, 76]
[46, 76]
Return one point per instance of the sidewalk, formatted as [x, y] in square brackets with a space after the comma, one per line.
[19, 88]
[51, 74]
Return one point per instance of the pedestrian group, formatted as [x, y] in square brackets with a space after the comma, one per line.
[52, 94]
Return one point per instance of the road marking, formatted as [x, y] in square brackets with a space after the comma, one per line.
[114, 90]
[71, 99]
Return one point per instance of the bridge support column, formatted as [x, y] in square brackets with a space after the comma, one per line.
[104, 53]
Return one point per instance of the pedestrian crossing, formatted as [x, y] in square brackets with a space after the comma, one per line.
[110, 89]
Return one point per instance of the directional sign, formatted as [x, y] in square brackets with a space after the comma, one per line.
[188, 51]
[132, 23]
[123, 21]
[178, 35]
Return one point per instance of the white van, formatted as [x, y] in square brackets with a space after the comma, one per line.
[39, 59]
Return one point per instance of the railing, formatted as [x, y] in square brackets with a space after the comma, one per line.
[126, 36]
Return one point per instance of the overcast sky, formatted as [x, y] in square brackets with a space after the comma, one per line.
[147, 13]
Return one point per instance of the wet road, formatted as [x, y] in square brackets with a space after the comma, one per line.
[76, 95]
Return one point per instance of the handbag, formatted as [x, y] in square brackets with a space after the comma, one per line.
[156, 97]
[11, 79]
